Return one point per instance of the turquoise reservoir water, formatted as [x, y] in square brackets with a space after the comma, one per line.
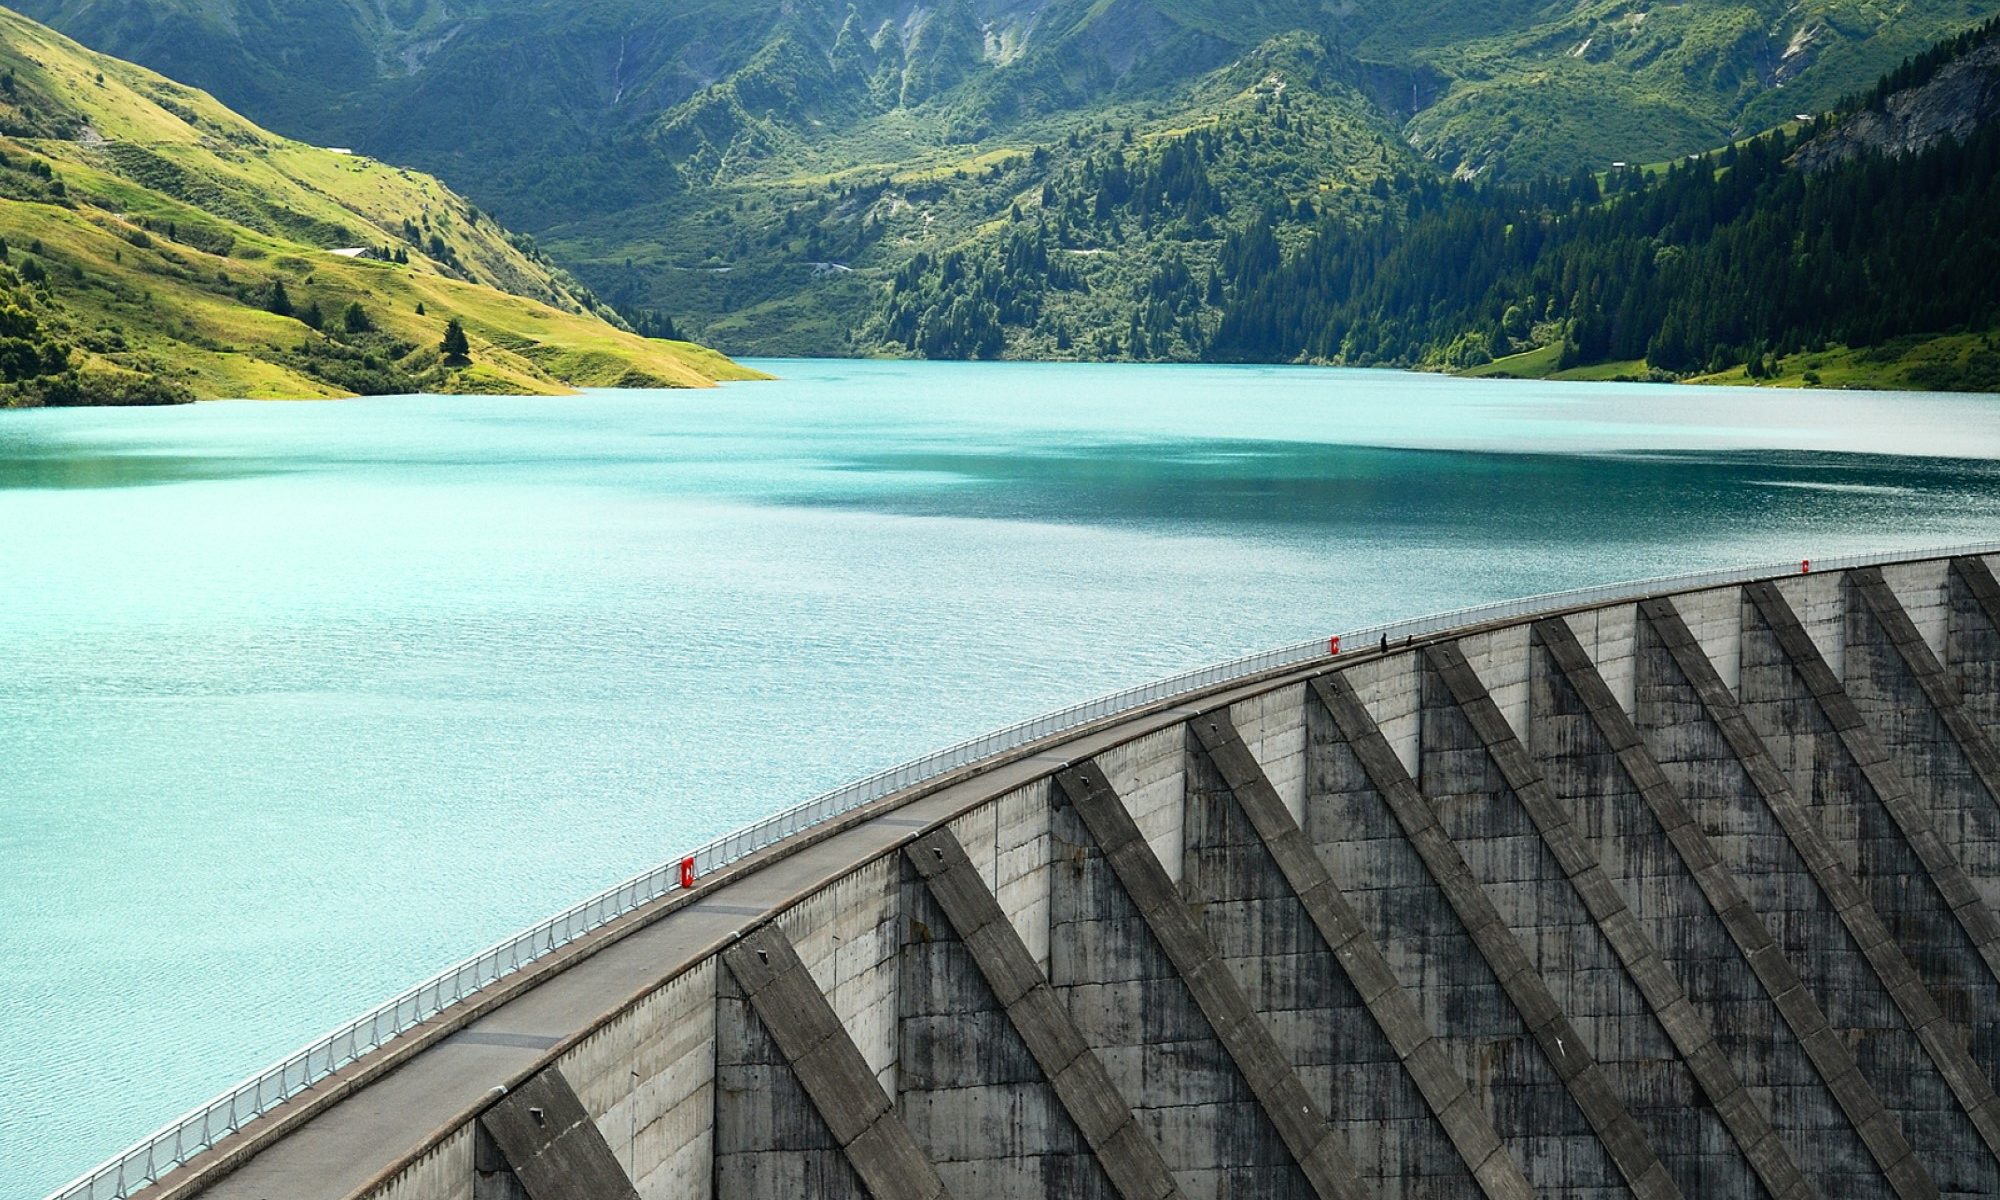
[299, 703]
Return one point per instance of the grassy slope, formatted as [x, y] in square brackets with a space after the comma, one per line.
[1540, 363]
[1956, 362]
[246, 208]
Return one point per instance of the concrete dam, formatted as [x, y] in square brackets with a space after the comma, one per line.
[1676, 890]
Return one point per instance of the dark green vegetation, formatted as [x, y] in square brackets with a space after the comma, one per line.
[762, 172]
[1863, 247]
[1786, 247]
[40, 360]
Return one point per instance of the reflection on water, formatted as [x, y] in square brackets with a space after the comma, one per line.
[348, 690]
[63, 468]
[1370, 489]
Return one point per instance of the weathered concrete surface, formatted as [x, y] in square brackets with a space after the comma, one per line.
[1865, 810]
[1273, 729]
[1606, 637]
[1766, 1025]
[443, 1172]
[1807, 896]
[1972, 642]
[1008, 844]
[1898, 688]
[1154, 998]
[1838, 764]
[647, 1078]
[1600, 964]
[770, 1138]
[1488, 985]
[1923, 591]
[1356, 1038]
[998, 1083]
[782, 1042]
[552, 1146]
[1388, 691]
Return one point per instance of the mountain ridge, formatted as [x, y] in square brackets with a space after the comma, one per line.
[1963, 95]
[623, 68]
[776, 175]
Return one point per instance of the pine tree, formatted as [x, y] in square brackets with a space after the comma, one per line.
[457, 349]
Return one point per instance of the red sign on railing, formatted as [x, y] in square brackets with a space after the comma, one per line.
[1333, 644]
[687, 872]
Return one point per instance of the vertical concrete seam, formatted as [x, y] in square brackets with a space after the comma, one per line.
[830, 1067]
[1242, 1034]
[1082, 1085]
[1685, 1028]
[1888, 611]
[1617, 1131]
[1865, 747]
[1968, 1085]
[1396, 1014]
[1746, 929]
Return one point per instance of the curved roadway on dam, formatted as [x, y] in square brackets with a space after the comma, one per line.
[1682, 889]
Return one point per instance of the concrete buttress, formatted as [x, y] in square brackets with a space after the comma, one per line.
[1767, 1027]
[1898, 687]
[1355, 1036]
[1539, 1120]
[1808, 897]
[798, 1111]
[1972, 641]
[553, 1147]
[1153, 996]
[1598, 959]
[997, 1082]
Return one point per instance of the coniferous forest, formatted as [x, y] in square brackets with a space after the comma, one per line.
[1731, 258]
[1736, 259]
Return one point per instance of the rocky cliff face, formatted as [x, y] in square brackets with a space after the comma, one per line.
[1957, 100]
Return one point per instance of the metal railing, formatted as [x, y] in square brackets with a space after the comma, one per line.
[202, 1128]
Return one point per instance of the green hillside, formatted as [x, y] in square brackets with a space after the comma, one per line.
[763, 171]
[157, 246]
[1856, 249]
[769, 257]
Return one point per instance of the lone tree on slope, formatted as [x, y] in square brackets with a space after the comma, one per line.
[457, 350]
